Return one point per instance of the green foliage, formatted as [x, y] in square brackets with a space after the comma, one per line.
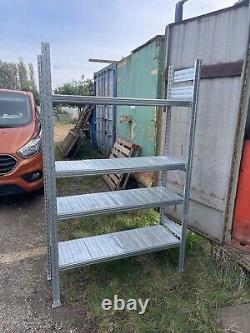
[18, 76]
[81, 87]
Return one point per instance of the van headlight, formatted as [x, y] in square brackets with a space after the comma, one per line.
[31, 148]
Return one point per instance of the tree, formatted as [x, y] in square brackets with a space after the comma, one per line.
[18, 76]
[81, 87]
[9, 75]
[23, 75]
[32, 81]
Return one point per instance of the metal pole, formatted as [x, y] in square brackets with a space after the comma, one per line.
[167, 133]
[51, 180]
[189, 165]
[104, 61]
[179, 11]
[101, 100]
[114, 108]
[45, 167]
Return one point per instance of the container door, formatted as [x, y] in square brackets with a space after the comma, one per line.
[221, 41]
[105, 115]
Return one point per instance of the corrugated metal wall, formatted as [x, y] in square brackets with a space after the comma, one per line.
[105, 85]
[139, 75]
[217, 38]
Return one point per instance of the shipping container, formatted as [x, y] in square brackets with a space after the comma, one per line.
[221, 40]
[105, 85]
[140, 75]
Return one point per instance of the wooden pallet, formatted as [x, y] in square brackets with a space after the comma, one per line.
[69, 143]
[73, 139]
[122, 148]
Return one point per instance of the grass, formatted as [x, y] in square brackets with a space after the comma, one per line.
[179, 302]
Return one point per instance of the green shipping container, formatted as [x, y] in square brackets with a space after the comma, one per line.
[141, 75]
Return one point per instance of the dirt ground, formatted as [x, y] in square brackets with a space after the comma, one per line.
[25, 300]
[61, 131]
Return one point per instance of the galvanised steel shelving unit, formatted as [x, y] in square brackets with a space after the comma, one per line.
[182, 91]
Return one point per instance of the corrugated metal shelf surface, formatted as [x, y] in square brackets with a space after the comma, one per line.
[117, 165]
[90, 250]
[110, 202]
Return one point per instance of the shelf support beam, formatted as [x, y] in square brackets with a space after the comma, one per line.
[49, 155]
[189, 165]
[99, 100]
[45, 176]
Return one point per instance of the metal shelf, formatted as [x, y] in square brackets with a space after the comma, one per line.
[111, 202]
[117, 165]
[182, 91]
[117, 245]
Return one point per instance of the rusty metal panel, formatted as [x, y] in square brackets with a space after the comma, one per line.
[139, 75]
[216, 39]
[227, 69]
[105, 85]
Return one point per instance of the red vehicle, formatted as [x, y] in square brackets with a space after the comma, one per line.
[20, 143]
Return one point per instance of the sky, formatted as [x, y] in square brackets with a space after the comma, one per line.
[81, 29]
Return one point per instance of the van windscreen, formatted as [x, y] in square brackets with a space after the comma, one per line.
[15, 109]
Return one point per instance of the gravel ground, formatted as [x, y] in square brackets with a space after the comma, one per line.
[24, 291]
